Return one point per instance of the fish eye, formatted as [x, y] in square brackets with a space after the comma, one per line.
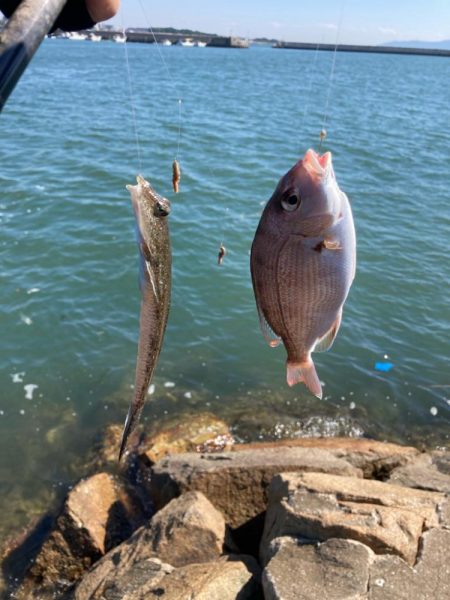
[291, 202]
[162, 209]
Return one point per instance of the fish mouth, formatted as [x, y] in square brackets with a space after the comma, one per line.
[318, 165]
[161, 206]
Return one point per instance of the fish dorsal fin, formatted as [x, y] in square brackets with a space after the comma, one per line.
[271, 338]
[325, 343]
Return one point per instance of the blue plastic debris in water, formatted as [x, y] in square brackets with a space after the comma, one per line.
[383, 366]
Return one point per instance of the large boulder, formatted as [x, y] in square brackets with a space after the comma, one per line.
[236, 482]
[99, 513]
[227, 578]
[135, 579]
[336, 570]
[375, 459]
[426, 472]
[387, 518]
[429, 579]
[188, 530]
[339, 569]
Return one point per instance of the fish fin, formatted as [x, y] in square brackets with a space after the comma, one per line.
[270, 336]
[332, 244]
[145, 250]
[134, 413]
[325, 343]
[304, 372]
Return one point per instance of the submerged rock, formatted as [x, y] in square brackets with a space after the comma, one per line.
[199, 433]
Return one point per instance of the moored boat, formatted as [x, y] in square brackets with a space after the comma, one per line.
[120, 38]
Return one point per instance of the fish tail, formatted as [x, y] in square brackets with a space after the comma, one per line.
[130, 425]
[304, 372]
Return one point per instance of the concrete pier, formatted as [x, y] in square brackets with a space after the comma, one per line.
[369, 49]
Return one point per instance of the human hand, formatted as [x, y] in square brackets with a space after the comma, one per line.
[101, 10]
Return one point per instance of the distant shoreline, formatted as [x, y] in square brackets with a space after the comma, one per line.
[176, 37]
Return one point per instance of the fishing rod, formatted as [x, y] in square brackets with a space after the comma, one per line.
[21, 37]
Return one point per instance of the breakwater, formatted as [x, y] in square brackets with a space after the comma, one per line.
[368, 49]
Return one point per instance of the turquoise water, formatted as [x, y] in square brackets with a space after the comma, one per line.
[68, 262]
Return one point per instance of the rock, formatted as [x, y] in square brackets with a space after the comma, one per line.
[105, 451]
[229, 578]
[236, 482]
[336, 570]
[134, 579]
[98, 514]
[390, 577]
[441, 459]
[375, 459]
[197, 433]
[426, 472]
[188, 530]
[348, 570]
[444, 513]
[385, 517]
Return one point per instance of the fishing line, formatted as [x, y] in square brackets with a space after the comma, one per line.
[131, 94]
[331, 79]
[180, 102]
[172, 79]
[309, 78]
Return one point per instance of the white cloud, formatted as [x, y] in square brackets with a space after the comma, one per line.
[276, 25]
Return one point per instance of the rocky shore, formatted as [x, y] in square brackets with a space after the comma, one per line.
[192, 515]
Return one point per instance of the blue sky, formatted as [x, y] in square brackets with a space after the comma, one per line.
[363, 21]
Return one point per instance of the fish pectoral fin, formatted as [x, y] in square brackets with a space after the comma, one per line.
[325, 343]
[144, 250]
[147, 281]
[270, 336]
[332, 244]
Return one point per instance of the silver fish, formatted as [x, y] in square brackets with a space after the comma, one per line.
[151, 211]
[303, 262]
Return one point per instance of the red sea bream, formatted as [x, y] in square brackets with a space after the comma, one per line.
[303, 262]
